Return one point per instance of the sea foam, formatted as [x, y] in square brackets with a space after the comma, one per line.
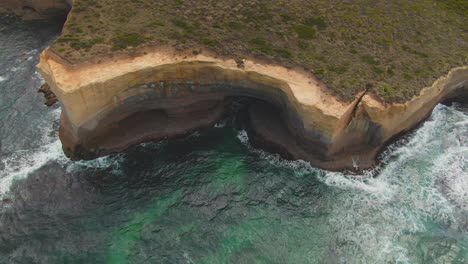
[20, 163]
[423, 177]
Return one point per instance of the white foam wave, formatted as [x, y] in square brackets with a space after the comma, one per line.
[243, 137]
[354, 182]
[363, 181]
[275, 159]
[38, 76]
[451, 165]
[221, 124]
[453, 171]
[153, 144]
[423, 178]
[2, 78]
[111, 162]
[410, 193]
[21, 163]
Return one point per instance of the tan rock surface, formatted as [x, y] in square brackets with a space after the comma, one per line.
[188, 91]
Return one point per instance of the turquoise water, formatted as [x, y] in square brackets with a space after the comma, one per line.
[212, 198]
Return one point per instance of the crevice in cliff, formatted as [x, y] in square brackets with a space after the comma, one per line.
[355, 107]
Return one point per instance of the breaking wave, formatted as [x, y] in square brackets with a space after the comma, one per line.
[423, 178]
[20, 163]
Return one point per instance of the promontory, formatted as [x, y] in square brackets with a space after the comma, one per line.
[329, 82]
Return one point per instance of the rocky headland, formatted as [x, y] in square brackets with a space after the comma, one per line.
[123, 89]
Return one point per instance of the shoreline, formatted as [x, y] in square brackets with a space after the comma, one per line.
[97, 97]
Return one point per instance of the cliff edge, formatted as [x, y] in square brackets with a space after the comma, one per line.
[122, 81]
[112, 105]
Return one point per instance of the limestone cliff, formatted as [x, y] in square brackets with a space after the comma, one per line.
[114, 103]
[147, 70]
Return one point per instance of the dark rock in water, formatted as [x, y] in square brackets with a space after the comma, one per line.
[7, 200]
[50, 97]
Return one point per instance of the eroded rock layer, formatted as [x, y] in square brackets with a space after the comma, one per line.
[111, 105]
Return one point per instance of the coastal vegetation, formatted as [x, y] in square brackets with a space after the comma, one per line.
[392, 48]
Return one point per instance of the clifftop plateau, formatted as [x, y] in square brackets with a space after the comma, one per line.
[394, 47]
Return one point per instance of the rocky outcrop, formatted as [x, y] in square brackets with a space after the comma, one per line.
[112, 104]
[370, 128]
[37, 9]
[49, 96]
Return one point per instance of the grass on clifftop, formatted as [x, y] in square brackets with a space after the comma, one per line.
[395, 47]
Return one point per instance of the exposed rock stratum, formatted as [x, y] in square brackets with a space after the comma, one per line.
[114, 103]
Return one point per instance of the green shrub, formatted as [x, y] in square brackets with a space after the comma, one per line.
[305, 32]
[156, 23]
[370, 60]
[459, 6]
[284, 53]
[286, 17]
[415, 52]
[184, 25]
[122, 41]
[235, 25]
[258, 41]
[378, 70]
[316, 21]
[337, 69]
[211, 42]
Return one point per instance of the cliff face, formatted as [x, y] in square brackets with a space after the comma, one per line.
[37, 9]
[370, 127]
[113, 104]
[119, 86]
